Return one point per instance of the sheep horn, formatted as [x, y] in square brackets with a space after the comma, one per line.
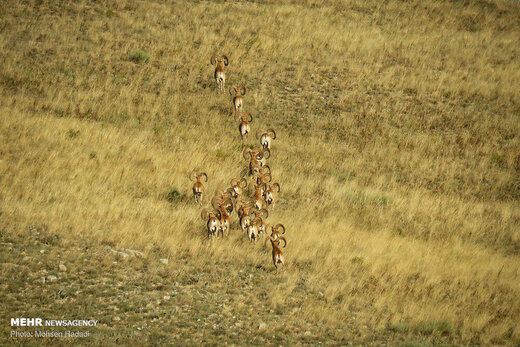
[278, 226]
[243, 90]
[226, 62]
[274, 134]
[213, 60]
[204, 174]
[265, 212]
[277, 185]
[247, 150]
[268, 169]
[260, 178]
[284, 241]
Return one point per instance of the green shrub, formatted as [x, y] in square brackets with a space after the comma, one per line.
[138, 56]
[174, 196]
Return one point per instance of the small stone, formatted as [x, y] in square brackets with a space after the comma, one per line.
[52, 278]
[307, 333]
[262, 326]
[164, 261]
[42, 251]
[62, 268]
[26, 258]
[166, 297]
[133, 252]
[121, 254]
[116, 318]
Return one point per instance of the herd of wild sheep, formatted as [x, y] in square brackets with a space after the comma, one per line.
[251, 206]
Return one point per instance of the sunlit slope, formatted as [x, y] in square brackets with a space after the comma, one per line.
[398, 149]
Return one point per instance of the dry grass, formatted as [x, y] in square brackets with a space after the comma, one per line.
[398, 148]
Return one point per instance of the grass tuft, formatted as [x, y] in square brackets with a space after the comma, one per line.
[174, 196]
[439, 328]
[138, 56]
[397, 157]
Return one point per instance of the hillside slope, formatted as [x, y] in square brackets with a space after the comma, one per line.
[398, 149]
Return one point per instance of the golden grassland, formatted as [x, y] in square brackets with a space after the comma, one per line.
[398, 148]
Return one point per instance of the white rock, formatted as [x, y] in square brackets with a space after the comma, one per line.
[121, 254]
[52, 278]
[164, 260]
[62, 268]
[307, 333]
[262, 326]
[133, 252]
